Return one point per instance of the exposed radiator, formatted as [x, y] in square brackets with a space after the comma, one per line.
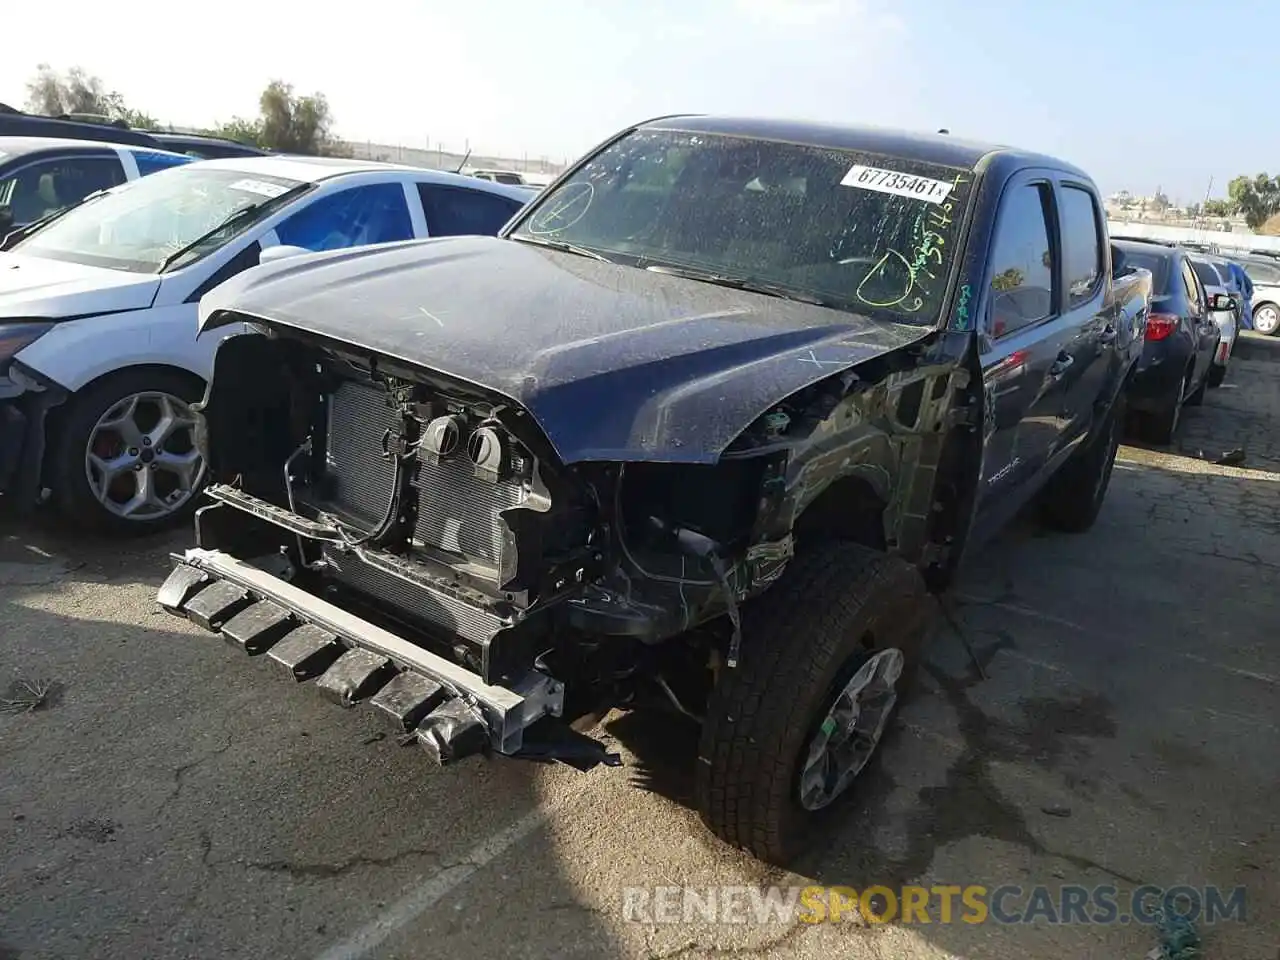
[456, 511]
[362, 479]
[452, 615]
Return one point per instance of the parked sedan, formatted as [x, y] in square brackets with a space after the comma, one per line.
[40, 175]
[99, 358]
[1216, 279]
[1264, 271]
[1181, 339]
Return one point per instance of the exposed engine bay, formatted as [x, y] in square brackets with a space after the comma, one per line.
[437, 513]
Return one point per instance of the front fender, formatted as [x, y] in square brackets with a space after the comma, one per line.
[77, 352]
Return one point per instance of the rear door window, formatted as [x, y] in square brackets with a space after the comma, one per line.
[350, 218]
[1157, 263]
[1265, 273]
[1022, 260]
[1081, 248]
[1192, 289]
[459, 212]
[1206, 272]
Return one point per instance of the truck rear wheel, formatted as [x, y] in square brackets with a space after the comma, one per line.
[826, 656]
[1072, 499]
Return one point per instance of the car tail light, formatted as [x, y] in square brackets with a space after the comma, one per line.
[1161, 325]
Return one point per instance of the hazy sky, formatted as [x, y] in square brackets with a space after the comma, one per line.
[1142, 93]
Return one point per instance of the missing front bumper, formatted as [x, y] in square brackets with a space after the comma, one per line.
[452, 711]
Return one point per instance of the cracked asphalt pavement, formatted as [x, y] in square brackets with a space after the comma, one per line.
[172, 798]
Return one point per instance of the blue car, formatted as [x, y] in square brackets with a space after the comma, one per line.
[41, 175]
[1242, 287]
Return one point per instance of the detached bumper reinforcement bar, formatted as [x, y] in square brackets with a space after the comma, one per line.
[448, 706]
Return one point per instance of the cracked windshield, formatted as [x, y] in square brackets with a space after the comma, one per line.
[853, 230]
[780, 479]
[138, 227]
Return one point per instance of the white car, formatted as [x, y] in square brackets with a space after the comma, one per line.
[1213, 274]
[99, 357]
[1264, 272]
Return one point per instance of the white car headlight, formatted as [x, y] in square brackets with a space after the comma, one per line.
[15, 335]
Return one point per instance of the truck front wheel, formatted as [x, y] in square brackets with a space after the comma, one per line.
[826, 656]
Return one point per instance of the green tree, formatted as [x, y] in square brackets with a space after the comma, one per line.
[239, 130]
[1219, 208]
[287, 122]
[52, 93]
[1010, 279]
[1257, 197]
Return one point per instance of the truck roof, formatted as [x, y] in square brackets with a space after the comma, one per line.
[937, 148]
[32, 125]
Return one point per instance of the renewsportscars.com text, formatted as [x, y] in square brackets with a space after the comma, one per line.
[971, 904]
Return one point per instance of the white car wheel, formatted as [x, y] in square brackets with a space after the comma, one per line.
[1266, 319]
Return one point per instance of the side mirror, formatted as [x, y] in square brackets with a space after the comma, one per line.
[281, 251]
[1221, 301]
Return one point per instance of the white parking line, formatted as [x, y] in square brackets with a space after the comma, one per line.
[1177, 463]
[420, 899]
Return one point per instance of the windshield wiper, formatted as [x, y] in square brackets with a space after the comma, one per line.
[230, 220]
[563, 245]
[750, 284]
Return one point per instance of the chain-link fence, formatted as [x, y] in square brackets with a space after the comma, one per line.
[447, 157]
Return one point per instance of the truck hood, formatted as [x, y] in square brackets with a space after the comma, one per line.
[614, 362]
[56, 289]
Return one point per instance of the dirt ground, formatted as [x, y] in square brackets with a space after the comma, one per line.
[175, 799]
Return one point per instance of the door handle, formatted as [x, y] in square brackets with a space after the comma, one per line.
[1108, 335]
[1060, 365]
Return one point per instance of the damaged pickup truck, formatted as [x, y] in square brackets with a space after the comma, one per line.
[703, 427]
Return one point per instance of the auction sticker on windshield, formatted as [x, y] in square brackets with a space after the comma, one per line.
[260, 187]
[898, 184]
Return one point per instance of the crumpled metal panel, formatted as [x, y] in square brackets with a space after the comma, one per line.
[614, 362]
[407, 699]
[216, 604]
[257, 628]
[354, 676]
[307, 651]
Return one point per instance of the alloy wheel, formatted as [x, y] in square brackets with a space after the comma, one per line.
[851, 730]
[141, 460]
[1266, 319]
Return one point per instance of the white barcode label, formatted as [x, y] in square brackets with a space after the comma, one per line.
[898, 184]
[260, 187]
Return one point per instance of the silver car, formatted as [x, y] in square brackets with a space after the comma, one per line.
[1264, 272]
[1216, 279]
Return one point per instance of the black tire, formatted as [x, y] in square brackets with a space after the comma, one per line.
[835, 606]
[1217, 375]
[1161, 427]
[1196, 397]
[66, 475]
[1072, 500]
